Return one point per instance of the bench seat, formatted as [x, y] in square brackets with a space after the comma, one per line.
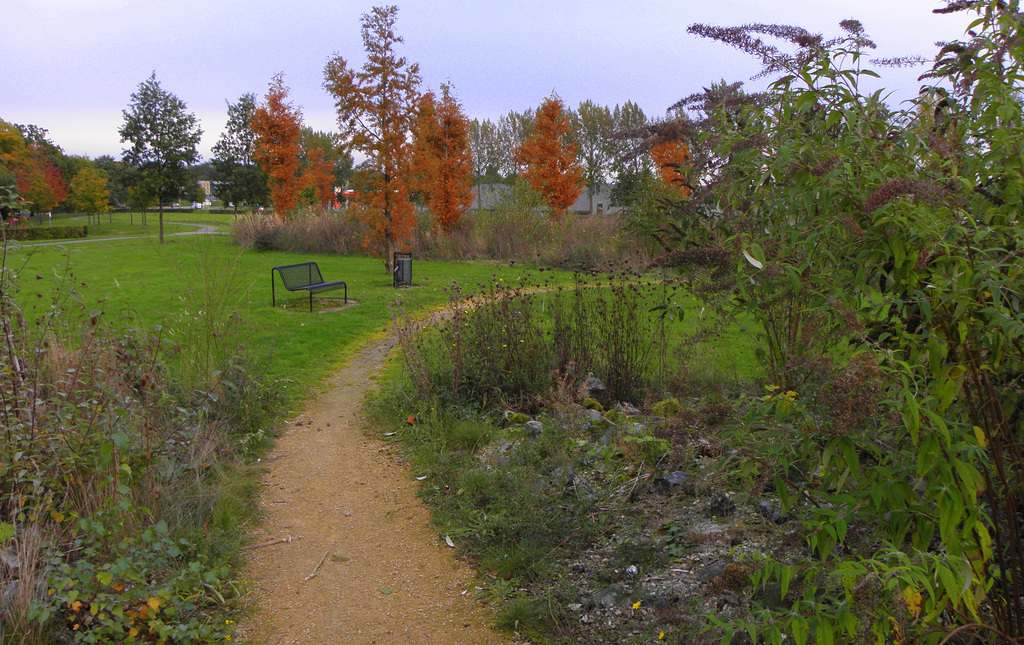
[304, 276]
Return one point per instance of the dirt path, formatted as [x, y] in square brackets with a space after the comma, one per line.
[383, 574]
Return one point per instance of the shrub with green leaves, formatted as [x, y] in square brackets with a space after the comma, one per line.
[37, 233]
[133, 586]
[896, 234]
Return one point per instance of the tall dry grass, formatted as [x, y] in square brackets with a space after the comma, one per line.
[514, 231]
[315, 231]
[23, 583]
[577, 241]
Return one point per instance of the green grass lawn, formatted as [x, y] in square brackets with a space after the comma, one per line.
[192, 284]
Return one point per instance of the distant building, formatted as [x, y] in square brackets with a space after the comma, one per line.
[209, 188]
[489, 196]
[602, 202]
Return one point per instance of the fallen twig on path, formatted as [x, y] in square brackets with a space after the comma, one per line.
[284, 540]
[317, 567]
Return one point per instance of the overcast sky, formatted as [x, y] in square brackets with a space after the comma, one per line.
[71, 65]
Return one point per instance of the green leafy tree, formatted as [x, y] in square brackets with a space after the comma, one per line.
[592, 126]
[39, 138]
[331, 151]
[117, 179]
[240, 179]
[630, 165]
[204, 171]
[486, 151]
[376, 106]
[195, 193]
[163, 138]
[513, 129]
[140, 196]
[89, 192]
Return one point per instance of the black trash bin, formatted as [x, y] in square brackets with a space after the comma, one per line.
[403, 269]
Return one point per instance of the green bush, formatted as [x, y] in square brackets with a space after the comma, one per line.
[42, 233]
[895, 232]
[133, 585]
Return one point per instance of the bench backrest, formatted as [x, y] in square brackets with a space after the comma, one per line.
[296, 276]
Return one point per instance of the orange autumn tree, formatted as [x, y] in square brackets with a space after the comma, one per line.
[317, 179]
[424, 161]
[36, 178]
[40, 182]
[550, 160]
[672, 157]
[376, 106]
[278, 127]
[442, 161]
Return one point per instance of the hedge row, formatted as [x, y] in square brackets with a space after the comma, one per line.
[47, 233]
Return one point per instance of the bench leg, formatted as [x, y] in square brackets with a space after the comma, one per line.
[310, 302]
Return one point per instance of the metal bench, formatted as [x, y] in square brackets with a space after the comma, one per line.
[304, 276]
